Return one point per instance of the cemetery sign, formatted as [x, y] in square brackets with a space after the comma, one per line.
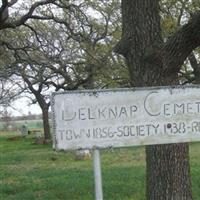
[125, 117]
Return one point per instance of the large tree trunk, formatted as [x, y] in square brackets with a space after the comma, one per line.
[151, 62]
[168, 174]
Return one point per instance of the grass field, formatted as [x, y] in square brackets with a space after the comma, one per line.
[35, 172]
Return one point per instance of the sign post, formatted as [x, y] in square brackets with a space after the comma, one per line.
[97, 174]
[124, 117]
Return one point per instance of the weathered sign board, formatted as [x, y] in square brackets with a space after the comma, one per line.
[126, 117]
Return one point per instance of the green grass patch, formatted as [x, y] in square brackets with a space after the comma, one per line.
[35, 172]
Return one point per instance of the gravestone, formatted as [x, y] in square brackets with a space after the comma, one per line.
[24, 130]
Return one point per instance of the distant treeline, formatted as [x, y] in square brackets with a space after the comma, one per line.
[22, 118]
[26, 117]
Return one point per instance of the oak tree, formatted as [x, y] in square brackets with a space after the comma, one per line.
[155, 62]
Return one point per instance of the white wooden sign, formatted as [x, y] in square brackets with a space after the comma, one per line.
[126, 117]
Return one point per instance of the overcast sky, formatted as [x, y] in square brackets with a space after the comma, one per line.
[21, 107]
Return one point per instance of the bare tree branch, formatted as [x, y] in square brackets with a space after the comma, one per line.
[4, 23]
[196, 67]
[180, 45]
[12, 2]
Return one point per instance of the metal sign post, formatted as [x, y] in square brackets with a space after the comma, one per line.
[97, 175]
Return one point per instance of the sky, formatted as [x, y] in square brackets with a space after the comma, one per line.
[21, 107]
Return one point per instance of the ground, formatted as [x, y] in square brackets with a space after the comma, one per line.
[29, 171]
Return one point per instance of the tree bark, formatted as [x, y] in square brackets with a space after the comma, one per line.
[196, 68]
[43, 105]
[46, 126]
[168, 172]
[45, 114]
[152, 62]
